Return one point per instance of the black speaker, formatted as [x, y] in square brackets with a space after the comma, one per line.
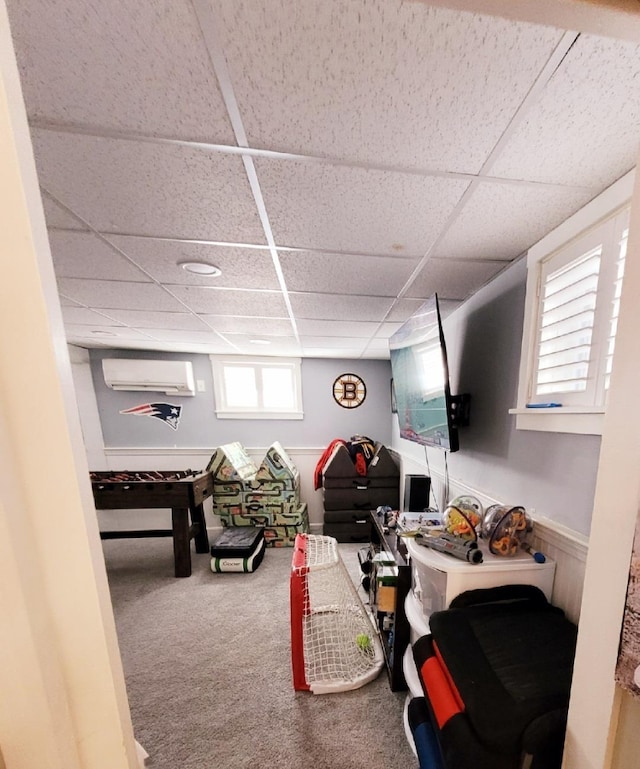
[416, 493]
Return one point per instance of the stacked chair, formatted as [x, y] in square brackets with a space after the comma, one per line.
[349, 495]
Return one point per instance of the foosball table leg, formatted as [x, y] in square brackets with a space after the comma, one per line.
[181, 541]
[200, 529]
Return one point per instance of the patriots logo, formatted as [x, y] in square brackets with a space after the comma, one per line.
[166, 412]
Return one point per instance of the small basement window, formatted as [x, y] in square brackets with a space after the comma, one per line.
[257, 388]
[574, 280]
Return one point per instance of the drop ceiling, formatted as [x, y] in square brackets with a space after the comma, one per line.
[338, 162]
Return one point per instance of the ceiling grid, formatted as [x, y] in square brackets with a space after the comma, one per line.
[338, 162]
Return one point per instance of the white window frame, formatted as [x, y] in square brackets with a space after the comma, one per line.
[607, 210]
[224, 411]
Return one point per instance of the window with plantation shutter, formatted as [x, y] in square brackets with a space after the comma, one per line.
[566, 325]
[574, 284]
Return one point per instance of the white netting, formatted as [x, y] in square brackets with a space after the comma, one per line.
[340, 645]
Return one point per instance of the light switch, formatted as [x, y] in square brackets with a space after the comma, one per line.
[200, 385]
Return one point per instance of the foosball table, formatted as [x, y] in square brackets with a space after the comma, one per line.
[184, 491]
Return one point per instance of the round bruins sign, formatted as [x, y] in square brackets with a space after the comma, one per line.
[349, 391]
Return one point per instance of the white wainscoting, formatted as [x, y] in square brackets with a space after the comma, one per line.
[127, 458]
[567, 548]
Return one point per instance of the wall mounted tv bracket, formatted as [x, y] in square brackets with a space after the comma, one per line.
[459, 410]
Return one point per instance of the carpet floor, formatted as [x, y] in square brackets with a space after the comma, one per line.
[207, 665]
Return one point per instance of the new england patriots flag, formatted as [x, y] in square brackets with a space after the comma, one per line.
[166, 412]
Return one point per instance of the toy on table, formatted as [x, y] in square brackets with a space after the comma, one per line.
[505, 527]
[462, 517]
[464, 549]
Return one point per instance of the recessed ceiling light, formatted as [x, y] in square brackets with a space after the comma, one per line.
[259, 341]
[103, 333]
[201, 268]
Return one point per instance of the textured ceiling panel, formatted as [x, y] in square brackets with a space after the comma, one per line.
[250, 341]
[345, 274]
[56, 216]
[83, 255]
[81, 316]
[228, 302]
[378, 346]
[231, 324]
[500, 221]
[118, 294]
[585, 128]
[336, 328]
[146, 60]
[180, 335]
[102, 333]
[452, 280]
[404, 308]
[345, 308]
[351, 209]
[362, 79]
[149, 189]
[150, 320]
[376, 134]
[248, 267]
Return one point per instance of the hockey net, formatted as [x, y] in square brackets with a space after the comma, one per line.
[334, 644]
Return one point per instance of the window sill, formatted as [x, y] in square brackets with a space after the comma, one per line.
[563, 419]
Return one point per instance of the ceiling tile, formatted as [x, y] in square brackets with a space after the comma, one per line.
[182, 335]
[244, 342]
[229, 324]
[346, 308]
[224, 301]
[362, 79]
[336, 328]
[106, 294]
[142, 188]
[328, 207]
[379, 346]
[56, 216]
[453, 279]
[151, 320]
[501, 221]
[84, 255]
[404, 308]
[246, 267]
[81, 316]
[147, 62]
[102, 333]
[345, 273]
[584, 128]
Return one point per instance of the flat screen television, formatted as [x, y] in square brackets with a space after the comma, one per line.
[427, 412]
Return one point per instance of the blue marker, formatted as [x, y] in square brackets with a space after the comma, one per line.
[535, 554]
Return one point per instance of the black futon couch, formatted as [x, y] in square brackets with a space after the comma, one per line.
[496, 673]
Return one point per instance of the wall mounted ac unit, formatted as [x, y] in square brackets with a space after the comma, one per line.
[173, 377]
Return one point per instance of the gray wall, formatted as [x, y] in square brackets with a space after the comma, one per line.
[199, 427]
[553, 474]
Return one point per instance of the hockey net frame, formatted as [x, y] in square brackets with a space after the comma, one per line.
[334, 642]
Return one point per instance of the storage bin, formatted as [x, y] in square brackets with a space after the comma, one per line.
[437, 578]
